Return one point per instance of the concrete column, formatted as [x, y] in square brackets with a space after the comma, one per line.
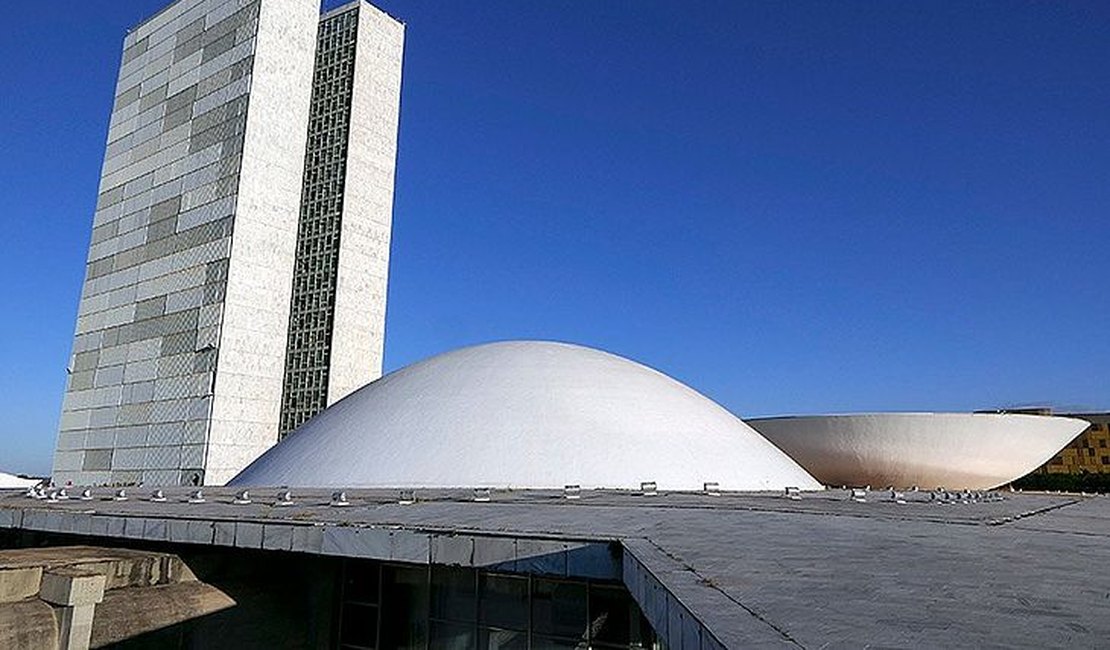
[76, 594]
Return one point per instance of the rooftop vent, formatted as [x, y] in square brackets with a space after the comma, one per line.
[339, 500]
[572, 492]
[858, 495]
[406, 497]
[793, 493]
[158, 496]
[196, 497]
[712, 488]
[242, 498]
[284, 498]
[649, 489]
[482, 495]
[86, 494]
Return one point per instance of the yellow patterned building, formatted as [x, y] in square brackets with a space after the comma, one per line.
[1089, 452]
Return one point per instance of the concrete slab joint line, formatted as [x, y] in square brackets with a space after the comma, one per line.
[706, 582]
[1032, 513]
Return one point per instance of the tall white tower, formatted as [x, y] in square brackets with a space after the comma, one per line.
[206, 231]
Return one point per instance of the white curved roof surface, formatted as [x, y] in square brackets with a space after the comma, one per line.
[526, 414]
[973, 451]
[8, 481]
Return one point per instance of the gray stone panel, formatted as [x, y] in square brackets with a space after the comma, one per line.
[127, 97]
[408, 546]
[154, 98]
[248, 535]
[453, 550]
[97, 459]
[168, 204]
[137, 229]
[356, 542]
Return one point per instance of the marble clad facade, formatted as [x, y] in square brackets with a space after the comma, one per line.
[183, 336]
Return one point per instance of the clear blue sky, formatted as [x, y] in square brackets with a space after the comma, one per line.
[791, 206]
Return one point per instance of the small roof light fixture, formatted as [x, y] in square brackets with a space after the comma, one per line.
[86, 494]
[572, 492]
[242, 498]
[897, 497]
[121, 495]
[793, 493]
[858, 495]
[196, 496]
[482, 494]
[61, 494]
[339, 500]
[36, 492]
[158, 496]
[284, 499]
[407, 497]
[649, 488]
[711, 488]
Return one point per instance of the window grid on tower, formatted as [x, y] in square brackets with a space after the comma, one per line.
[312, 307]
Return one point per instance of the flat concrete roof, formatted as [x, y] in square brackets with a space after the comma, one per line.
[732, 570]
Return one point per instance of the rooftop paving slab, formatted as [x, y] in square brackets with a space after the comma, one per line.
[734, 570]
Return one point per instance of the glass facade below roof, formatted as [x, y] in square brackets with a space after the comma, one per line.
[411, 607]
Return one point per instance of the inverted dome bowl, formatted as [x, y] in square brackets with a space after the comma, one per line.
[526, 414]
[973, 451]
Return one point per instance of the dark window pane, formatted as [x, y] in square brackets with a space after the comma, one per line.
[359, 626]
[559, 608]
[503, 601]
[404, 608]
[453, 593]
[360, 582]
[452, 636]
[611, 615]
[644, 633]
[489, 639]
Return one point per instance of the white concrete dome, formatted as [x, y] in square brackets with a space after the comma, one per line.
[9, 481]
[972, 451]
[526, 414]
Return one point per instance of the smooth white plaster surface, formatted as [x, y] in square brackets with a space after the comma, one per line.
[956, 451]
[526, 414]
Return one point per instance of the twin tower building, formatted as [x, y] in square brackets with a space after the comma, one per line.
[236, 277]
